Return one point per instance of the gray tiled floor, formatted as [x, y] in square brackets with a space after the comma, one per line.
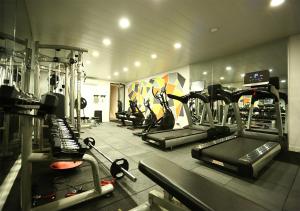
[276, 189]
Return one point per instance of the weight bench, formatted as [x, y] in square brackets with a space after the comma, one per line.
[190, 189]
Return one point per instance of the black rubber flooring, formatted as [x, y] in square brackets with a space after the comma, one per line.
[277, 188]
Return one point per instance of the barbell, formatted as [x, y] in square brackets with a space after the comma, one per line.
[119, 167]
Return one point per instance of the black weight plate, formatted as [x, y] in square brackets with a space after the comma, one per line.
[83, 103]
[115, 168]
[89, 141]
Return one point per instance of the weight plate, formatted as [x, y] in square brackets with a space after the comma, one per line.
[89, 141]
[115, 168]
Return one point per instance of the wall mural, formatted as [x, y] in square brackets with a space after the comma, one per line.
[141, 90]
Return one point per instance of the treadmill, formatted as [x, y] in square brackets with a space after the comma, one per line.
[217, 93]
[247, 153]
[190, 133]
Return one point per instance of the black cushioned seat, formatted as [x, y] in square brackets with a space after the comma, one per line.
[194, 191]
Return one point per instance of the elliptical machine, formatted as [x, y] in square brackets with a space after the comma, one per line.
[133, 114]
[166, 122]
[151, 118]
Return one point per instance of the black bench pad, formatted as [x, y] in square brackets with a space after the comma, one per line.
[194, 191]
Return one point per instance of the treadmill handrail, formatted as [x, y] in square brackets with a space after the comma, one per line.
[182, 99]
[217, 89]
[255, 93]
[185, 98]
[219, 96]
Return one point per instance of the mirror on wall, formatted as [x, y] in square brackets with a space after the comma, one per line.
[229, 72]
[15, 54]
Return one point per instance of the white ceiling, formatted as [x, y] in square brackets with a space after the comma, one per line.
[155, 26]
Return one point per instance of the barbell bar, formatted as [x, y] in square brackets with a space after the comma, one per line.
[119, 167]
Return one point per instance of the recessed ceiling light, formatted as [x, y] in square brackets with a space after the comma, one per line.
[125, 69]
[221, 78]
[137, 63]
[243, 75]
[204, 73]
[95, 53]
[116, 73]
[153, 56]
[88, 62]
[214, 29]
[124, 23]
[270, 70]
[276, 3]
[108, 77]
[283, 81]
[177, 45]
[106, 41]
[228, 68]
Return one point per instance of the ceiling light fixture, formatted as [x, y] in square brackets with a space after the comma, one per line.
[283, 81]
[204, 73]
[153, 56]
[221, 78]
[88, 62]
[228, 68]
[106, 42]
[177, 45]
[270, 70]
[116, 73]
[214, 29]
[95, 53]
[108, 77]
[125, 69]
[137, 63]
[276, 3]
[124, 23]
[243, 75]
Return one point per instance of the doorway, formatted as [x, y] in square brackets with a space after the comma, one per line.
[117, 93]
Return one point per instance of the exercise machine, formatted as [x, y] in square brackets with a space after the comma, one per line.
[166, 122]
[85, 121]
[247, 153]
[191, 132]
[133, 115]
[218, 94]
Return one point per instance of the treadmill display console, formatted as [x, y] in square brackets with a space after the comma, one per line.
[257, 78]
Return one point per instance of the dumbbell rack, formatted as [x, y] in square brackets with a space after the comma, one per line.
[28, 157]
[23, 106]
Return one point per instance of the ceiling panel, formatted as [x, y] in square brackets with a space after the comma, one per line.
[155, 26]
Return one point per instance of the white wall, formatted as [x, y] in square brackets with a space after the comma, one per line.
[96, 87]
[293, 92]
[185, 72]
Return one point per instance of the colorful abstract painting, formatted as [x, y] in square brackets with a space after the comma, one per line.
[142, 90]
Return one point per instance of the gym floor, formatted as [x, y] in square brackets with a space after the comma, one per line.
[278, 187]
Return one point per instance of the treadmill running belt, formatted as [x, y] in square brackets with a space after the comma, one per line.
[232, 150]
[162, 136]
